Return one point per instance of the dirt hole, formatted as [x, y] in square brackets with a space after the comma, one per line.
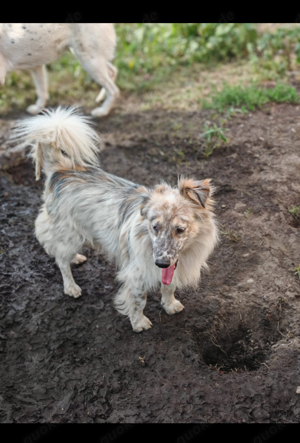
[241, 353]
[240, 347]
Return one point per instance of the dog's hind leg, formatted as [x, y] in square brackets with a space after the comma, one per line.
[168, 301]
[132, 302]
[70, 287]
[40, 80]
[113, 72]
[98, 69]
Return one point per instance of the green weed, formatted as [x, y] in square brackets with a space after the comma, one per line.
[213, 138]
[297, 271]
[295, 211]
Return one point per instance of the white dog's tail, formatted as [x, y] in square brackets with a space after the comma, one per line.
[60, 139]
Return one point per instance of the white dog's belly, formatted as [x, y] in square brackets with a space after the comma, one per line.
[28, 45]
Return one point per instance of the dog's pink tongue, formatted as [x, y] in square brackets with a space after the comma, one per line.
[167, 275]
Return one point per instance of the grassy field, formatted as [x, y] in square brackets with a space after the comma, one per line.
[177, 66]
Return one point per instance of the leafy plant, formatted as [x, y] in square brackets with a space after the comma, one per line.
[212, 136]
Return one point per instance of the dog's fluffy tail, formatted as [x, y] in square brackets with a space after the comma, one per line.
[65, 131]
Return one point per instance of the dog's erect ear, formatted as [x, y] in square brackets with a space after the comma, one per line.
[38, 161]
[195, 191]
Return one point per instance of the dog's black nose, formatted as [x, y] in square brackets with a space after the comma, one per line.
[163, 263]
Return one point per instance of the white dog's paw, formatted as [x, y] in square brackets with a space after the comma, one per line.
[73, 290]
[173, 308]
[99, 112]
[33, 109]
[101, 96]
[143, 324]
[78, 258]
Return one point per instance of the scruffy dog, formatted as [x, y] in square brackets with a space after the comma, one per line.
[156, 236]
[32, 45]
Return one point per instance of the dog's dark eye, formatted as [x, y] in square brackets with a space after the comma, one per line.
[64, 153]
[156, 228]
[180, 230]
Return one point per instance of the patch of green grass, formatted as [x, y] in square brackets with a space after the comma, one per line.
[213, 138]
[251, 97]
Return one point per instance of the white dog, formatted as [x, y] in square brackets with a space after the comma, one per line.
[32, 45]
[156, 236]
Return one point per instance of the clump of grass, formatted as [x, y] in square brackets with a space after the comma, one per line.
[213, 138]
[249, 98]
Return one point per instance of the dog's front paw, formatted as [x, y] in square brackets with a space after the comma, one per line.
[78, 258]
[143, 324]
[33, 109]
[73, 290]
[173, 308]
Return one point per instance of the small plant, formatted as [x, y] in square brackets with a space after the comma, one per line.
[248, 213]
[297, 271]
[213, 138]
[232, 234]
[295, 211]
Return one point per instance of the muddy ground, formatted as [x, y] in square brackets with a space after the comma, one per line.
[230, 356]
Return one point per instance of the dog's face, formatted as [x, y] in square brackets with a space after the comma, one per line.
[174, 217]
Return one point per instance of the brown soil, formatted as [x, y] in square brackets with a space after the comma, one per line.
[230, 356]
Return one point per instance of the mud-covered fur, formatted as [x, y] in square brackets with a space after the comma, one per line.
[33, 45]
[135, 226]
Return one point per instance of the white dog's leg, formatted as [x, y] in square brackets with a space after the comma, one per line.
[78, 258]
[70, 287]
[101, 96]
[113, 73]
[169, 302]
[2, 70]
[99, 70]
[132, 302]
[40, 80]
